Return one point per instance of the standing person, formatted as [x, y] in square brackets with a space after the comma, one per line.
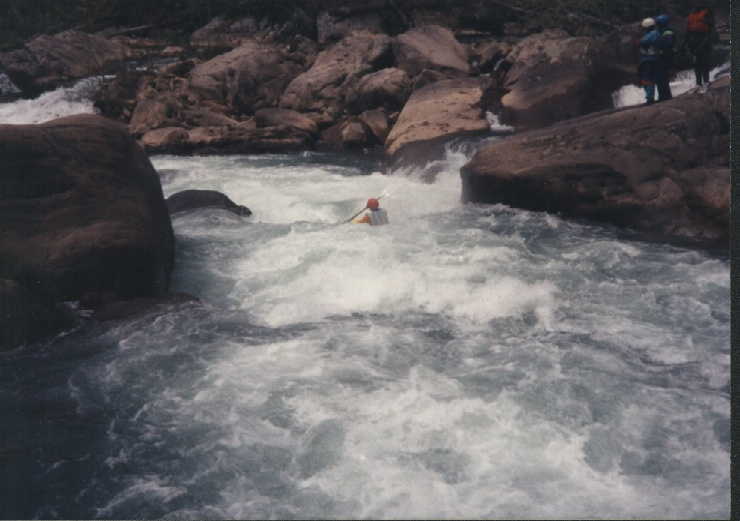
[376, 216]
[698, 42]
[648, 59]
[664, 64]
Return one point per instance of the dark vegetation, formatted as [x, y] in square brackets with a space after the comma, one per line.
[22, 19]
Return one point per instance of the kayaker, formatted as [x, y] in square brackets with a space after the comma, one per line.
[374, 216]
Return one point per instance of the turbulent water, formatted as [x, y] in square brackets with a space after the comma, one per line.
[465, 361]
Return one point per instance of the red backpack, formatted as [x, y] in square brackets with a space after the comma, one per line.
[697, 22]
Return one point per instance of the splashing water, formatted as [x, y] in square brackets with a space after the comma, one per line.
[465, 361]
[684, 81]
[64, 101]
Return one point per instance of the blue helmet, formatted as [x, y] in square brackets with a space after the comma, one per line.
[662, 19]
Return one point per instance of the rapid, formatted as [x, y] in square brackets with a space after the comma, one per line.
[465, 361]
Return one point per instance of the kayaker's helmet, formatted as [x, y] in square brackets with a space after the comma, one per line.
[662, 20]
[647, 23]
[373, 204]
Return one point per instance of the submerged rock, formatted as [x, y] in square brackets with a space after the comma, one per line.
[194, 199]
[662, 169]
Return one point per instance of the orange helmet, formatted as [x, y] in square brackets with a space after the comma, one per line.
[373, 204]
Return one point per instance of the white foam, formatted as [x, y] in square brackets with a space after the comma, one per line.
[496, 126]
[64, 101]
[683, 82]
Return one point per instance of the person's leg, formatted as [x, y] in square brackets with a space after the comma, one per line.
[649, 92]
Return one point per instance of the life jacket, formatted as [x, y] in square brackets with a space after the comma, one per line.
[649, 50]
[373, 218]
[697, 22]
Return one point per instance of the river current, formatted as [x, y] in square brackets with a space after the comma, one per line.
[465, 361]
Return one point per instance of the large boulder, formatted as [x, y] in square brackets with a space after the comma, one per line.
[661, 169]
[49, 60]
[430, 47]
[324, 86]
[82, 211]
[438, 111]
[388, 88]
[554, 76]
[248, 78]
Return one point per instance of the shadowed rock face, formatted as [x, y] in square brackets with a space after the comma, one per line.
[82, 211]
[662, 170]
[193, 199]
[26, 316]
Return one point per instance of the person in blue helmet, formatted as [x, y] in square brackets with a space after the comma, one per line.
[649, 53]
[664, 64]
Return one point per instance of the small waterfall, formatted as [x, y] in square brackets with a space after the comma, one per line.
[54, 104]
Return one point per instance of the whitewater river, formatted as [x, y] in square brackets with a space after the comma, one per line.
[465, 361]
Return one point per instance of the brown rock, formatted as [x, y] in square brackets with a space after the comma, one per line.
[377, 121]
[285, 117]
[323, 87]
[248, 78]
[47, 61]
[164, 137]
[83, 210]
[555, 77]
[430, 47]
[438, 111]
[388, 88]
[634, 167]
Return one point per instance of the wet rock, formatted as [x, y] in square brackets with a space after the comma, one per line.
[388, 88]
[26, 316]
[49, 60]
[660, 169]
[285, 117]
[83, 211]
[438, 111]
[553, 77]
[194, 199]
[324, 86]
[248, 78]
[430, 47]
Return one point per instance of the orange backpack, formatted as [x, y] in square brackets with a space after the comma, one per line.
[697, 22]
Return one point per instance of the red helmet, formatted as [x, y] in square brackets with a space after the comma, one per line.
[373, 204]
